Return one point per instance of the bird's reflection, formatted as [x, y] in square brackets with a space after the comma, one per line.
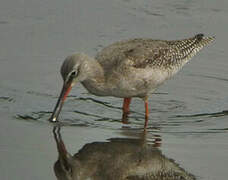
[118, 159]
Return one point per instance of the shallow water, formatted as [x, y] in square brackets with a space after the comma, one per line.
[188, 113]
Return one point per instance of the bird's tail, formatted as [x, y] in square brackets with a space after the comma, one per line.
[200, 40]
[190, 45]
[184, 50]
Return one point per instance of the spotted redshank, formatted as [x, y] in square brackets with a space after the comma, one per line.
[127, 69]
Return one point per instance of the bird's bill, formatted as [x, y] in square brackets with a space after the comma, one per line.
[63, 95]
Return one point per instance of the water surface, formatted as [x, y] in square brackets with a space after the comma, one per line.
[188, 113]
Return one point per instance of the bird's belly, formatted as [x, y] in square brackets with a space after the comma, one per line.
[133, 85]
[139, 84]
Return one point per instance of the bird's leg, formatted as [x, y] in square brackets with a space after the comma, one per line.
[146, 112]
[126, 110]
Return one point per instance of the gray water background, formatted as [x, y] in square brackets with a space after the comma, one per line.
[189, 112]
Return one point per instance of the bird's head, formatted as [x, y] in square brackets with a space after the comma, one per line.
[72, 72]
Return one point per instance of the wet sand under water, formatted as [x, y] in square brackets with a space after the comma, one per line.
[188, 115]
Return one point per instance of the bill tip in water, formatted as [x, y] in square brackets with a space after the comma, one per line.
[53, 119]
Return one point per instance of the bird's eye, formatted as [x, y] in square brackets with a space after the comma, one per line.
[73, 74]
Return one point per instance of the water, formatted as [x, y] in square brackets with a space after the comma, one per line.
[188, 113]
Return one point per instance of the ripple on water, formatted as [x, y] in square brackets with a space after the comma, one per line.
[180, 124]
[34, 116]
[213, 114]
[166, 116]
[6, 99]
[201, 123]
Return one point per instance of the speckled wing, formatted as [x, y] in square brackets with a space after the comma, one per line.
[143, 53]
[133, 52]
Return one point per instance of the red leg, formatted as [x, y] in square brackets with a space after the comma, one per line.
[146, 112]
[126, 109]
[126, 105]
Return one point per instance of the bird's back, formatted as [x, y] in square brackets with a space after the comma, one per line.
[142, 53]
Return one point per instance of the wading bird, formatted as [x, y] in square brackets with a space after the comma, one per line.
[127, 69]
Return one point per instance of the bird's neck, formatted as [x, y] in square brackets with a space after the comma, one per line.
[95, 81]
